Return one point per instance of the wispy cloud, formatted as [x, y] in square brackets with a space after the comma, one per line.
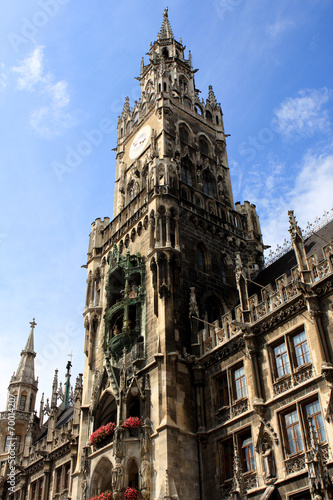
[30, 70]
[54, 116]
[305, 115]
[276, 29]
[3, 77]
[309, 196]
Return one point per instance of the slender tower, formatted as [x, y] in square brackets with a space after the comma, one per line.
[158, 273]
[19, 414]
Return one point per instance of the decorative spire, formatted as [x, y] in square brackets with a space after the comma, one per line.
[67, 384]
[211, 96]
[26, 368]
[126, 109]
[166, 30]
[54, 396]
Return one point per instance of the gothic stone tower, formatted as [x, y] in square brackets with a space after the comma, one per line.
[157, 274]
[18, 422]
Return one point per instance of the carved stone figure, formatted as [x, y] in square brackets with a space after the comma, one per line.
[145, 470]
[117, 476]
[268, 460]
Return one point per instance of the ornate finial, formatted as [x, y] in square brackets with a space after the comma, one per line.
[194, 310]
[166, 30]
[33, 323]
[211, 95]
[126, 108]
[294, 229]
[71, 355]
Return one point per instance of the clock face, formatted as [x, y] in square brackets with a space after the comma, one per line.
[140, 142]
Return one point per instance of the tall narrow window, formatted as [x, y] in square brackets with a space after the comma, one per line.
[281, 360]
[67, 475]
[301, 348]
[247, 453]
[201, 258]
[222, 390]
[22, 402]
[203, 146]
[293, 433]
[227, 459]
[315, 419]
[239, 383]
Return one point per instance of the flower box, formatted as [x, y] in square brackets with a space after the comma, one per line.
[132, 423]
[101, 434]
[106, 495]
[131, 494]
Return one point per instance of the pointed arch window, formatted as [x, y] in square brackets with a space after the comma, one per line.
[187, 172]
[208, 184]
[203, 146]
[184, 134]
[202, 258]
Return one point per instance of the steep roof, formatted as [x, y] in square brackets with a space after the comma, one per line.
[313, 245]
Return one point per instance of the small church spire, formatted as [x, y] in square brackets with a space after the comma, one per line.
[26, 368]
[211, 95]
[166, 30]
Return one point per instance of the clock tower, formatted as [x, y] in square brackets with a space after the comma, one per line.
[161, 275]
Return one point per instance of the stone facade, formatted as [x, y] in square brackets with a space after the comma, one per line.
[215, 371]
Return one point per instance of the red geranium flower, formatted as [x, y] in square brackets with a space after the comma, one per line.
[131, 494]
[102, 433]
[132, 423]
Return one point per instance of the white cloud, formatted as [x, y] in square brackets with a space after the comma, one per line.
[305, 115]
[310, 196]
[30, 70]
[53, 116]
[275, 29]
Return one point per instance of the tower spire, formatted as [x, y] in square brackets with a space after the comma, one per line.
[166, 30]
[26, 368]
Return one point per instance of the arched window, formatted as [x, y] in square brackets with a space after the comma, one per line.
[198, 110]
[186, 172]
[133, 474]
[184, 134]
[184, 194]
[209, 116]
[106, 412]
[203, 146]
[217, 120]
[101, 477]
[201, 258]
[165, 52]
[198, 201]
[208, 184]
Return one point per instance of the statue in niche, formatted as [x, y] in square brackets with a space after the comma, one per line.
[268, 460]
[117, 476]
[145, 469]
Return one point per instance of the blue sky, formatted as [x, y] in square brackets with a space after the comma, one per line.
[64, 73]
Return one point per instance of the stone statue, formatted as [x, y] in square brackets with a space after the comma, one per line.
[117, 476]
[268, 459]
[145, 469]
